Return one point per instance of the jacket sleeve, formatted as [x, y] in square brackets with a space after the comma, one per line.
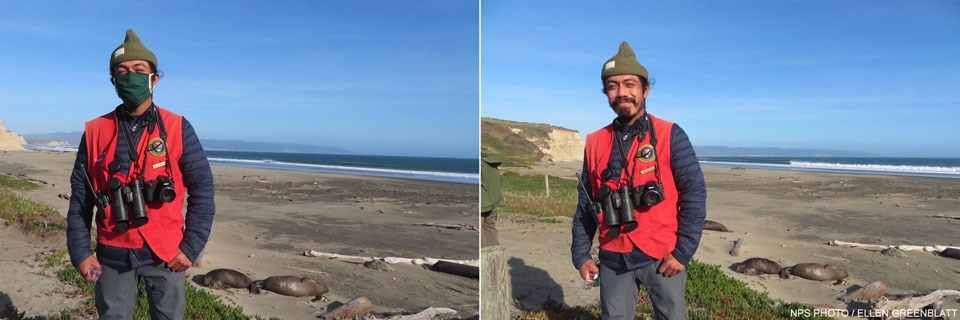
[584, 226]
[198, 180]
[693, 195]
[80, 213]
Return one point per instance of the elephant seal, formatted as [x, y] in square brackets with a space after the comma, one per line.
[715, 226]
[293, 286]
[757, 266]
[815, 271]
[226, 278]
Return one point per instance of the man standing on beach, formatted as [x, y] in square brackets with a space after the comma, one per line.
[137, 164]
[489, 198]
[644, 189]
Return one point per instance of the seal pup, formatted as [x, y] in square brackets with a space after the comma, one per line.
[715, 226]
[757, 266]
[221, 279]
[293, 286]
[816, 271]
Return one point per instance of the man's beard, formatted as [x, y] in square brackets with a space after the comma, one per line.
[627, 112]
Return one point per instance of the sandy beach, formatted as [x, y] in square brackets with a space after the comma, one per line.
[266, 219]
[786, 216]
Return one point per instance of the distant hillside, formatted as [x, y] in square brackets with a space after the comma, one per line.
[10, 140]
[63, 139]
[718, 151]
[521, 142]
[60, 139]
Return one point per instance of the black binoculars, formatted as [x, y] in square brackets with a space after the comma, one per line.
[618, 205]
[136, 195]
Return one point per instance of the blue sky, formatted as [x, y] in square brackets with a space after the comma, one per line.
[373, 77]
[871, 76]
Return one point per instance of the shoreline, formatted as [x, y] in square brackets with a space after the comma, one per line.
[267, 218]
[425, 175]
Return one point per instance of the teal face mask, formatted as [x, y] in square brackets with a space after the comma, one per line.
[133, 88]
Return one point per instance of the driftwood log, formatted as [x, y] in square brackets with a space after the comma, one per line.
[426, 314]
[878, 247]
[390, 260]
[355, 308]
[886, 306]
[737, 246]
[873, 290]
[944, 216]
[459, 226]
[457, 269]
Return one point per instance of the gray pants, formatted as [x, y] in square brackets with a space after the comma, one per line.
[619, 289]
[488, 230]
[116, 292]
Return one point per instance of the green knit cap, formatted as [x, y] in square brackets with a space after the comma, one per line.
[131, 49]
[624, 62]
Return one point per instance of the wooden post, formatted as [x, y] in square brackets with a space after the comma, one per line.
[546, 182]
[494, 288]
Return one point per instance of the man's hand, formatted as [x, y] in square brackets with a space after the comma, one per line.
[670, 266]
[588, 269]
[180, 262]
[88, 273]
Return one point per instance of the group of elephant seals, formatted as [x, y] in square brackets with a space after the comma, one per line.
[816, 271]
[293, 286]
[225, 278]
[757, 266]
[715, 226]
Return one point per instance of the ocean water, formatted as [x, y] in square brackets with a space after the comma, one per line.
[422, 168]
[926, 167]
[456, 170]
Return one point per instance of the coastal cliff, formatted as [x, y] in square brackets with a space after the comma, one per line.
[530, 142]
[9, 140]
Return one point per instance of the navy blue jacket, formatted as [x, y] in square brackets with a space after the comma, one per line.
[693, 205]
[197, 179]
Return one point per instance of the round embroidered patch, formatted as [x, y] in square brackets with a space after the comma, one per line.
[157, 147]
[646, 153]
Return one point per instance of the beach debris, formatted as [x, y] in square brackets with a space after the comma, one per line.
[381, 211]
[816, 272]
[65, 196]
[355, 308]
[459, 226]
[893, 252]
[943, 216]
[714, 226]
[866, 293]
[738, 245]
[878, 247]
[950, 253]
[907, 305]
[378, 265]
[222, 279]
[390, 260]
[426, 314]
[457, 269]
[307, 270]
[757, 266]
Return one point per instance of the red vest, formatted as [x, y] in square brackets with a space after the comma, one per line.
[164, 229]
[656, 232]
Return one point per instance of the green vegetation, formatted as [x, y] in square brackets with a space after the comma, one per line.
[31, 215]
[710, 295]
[40, 219]
[527, 194]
